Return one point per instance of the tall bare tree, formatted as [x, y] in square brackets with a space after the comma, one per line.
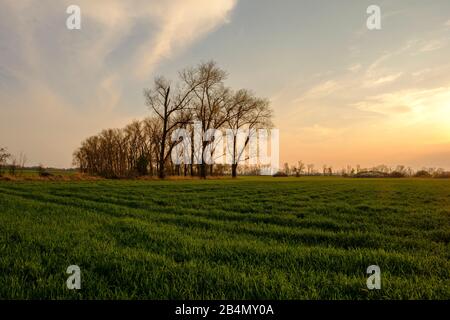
[248, 114]
[170, 106]
[151, 130]
[301, 167]
[211, 104]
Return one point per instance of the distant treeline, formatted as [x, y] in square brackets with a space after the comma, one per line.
[145, 147]
[380, 171]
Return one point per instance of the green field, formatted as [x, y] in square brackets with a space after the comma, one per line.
[252, 238]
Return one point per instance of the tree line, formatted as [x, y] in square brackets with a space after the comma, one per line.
[379, 171]
[145, 147]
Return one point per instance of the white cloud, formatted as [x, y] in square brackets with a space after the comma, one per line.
[52, 76]
[382, 80]
[181, 23]
[355, 67]
[174, 26]
[319, 91]
[159, 28]
[420, 104]
[432, 45]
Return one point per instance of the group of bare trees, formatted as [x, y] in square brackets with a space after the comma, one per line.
[199, 98]
[377, 171]
[15, 163]
[120, 152]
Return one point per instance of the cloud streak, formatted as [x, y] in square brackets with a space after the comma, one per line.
[181, 24]
[50, 75]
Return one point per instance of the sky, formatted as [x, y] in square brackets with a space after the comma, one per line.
[342, 94]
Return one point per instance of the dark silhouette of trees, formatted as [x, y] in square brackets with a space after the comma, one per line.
[115, 153]
[248, 114]
[170, 106]
[211, 105]
[199, 98]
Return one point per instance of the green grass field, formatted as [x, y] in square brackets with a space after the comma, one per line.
[253, 238]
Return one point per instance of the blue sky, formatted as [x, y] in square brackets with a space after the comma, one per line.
[342, 94]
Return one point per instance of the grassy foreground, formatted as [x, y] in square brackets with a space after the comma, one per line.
[277, 238]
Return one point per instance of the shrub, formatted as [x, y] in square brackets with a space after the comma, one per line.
[280, 174]
[422, 174]
[397, 174]
[442, 175]
[43, 172]
[142, 166]
[371, 174]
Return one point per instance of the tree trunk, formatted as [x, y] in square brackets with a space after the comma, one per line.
[235, 161]
[162, 171]
[234, 170]
[192, 153]
[203, 170]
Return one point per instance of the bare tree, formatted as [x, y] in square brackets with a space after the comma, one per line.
[4, 156]
[287, 169]
[310, 168]
[13, 166]
[211, 100]
[400, 169]
[17, 163]
[248, 113]
[152, 130]
[300, 167]
[169, 106]
[22, 160]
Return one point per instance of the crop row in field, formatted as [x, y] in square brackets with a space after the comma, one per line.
[248, 238]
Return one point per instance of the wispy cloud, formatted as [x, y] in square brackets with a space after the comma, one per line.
[382, 80]
[432, 45]
[52, 75]
[421, 104]
[181, 23]
[355, 67]
[319, 91]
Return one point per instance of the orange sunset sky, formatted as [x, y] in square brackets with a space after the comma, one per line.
[342, 94]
